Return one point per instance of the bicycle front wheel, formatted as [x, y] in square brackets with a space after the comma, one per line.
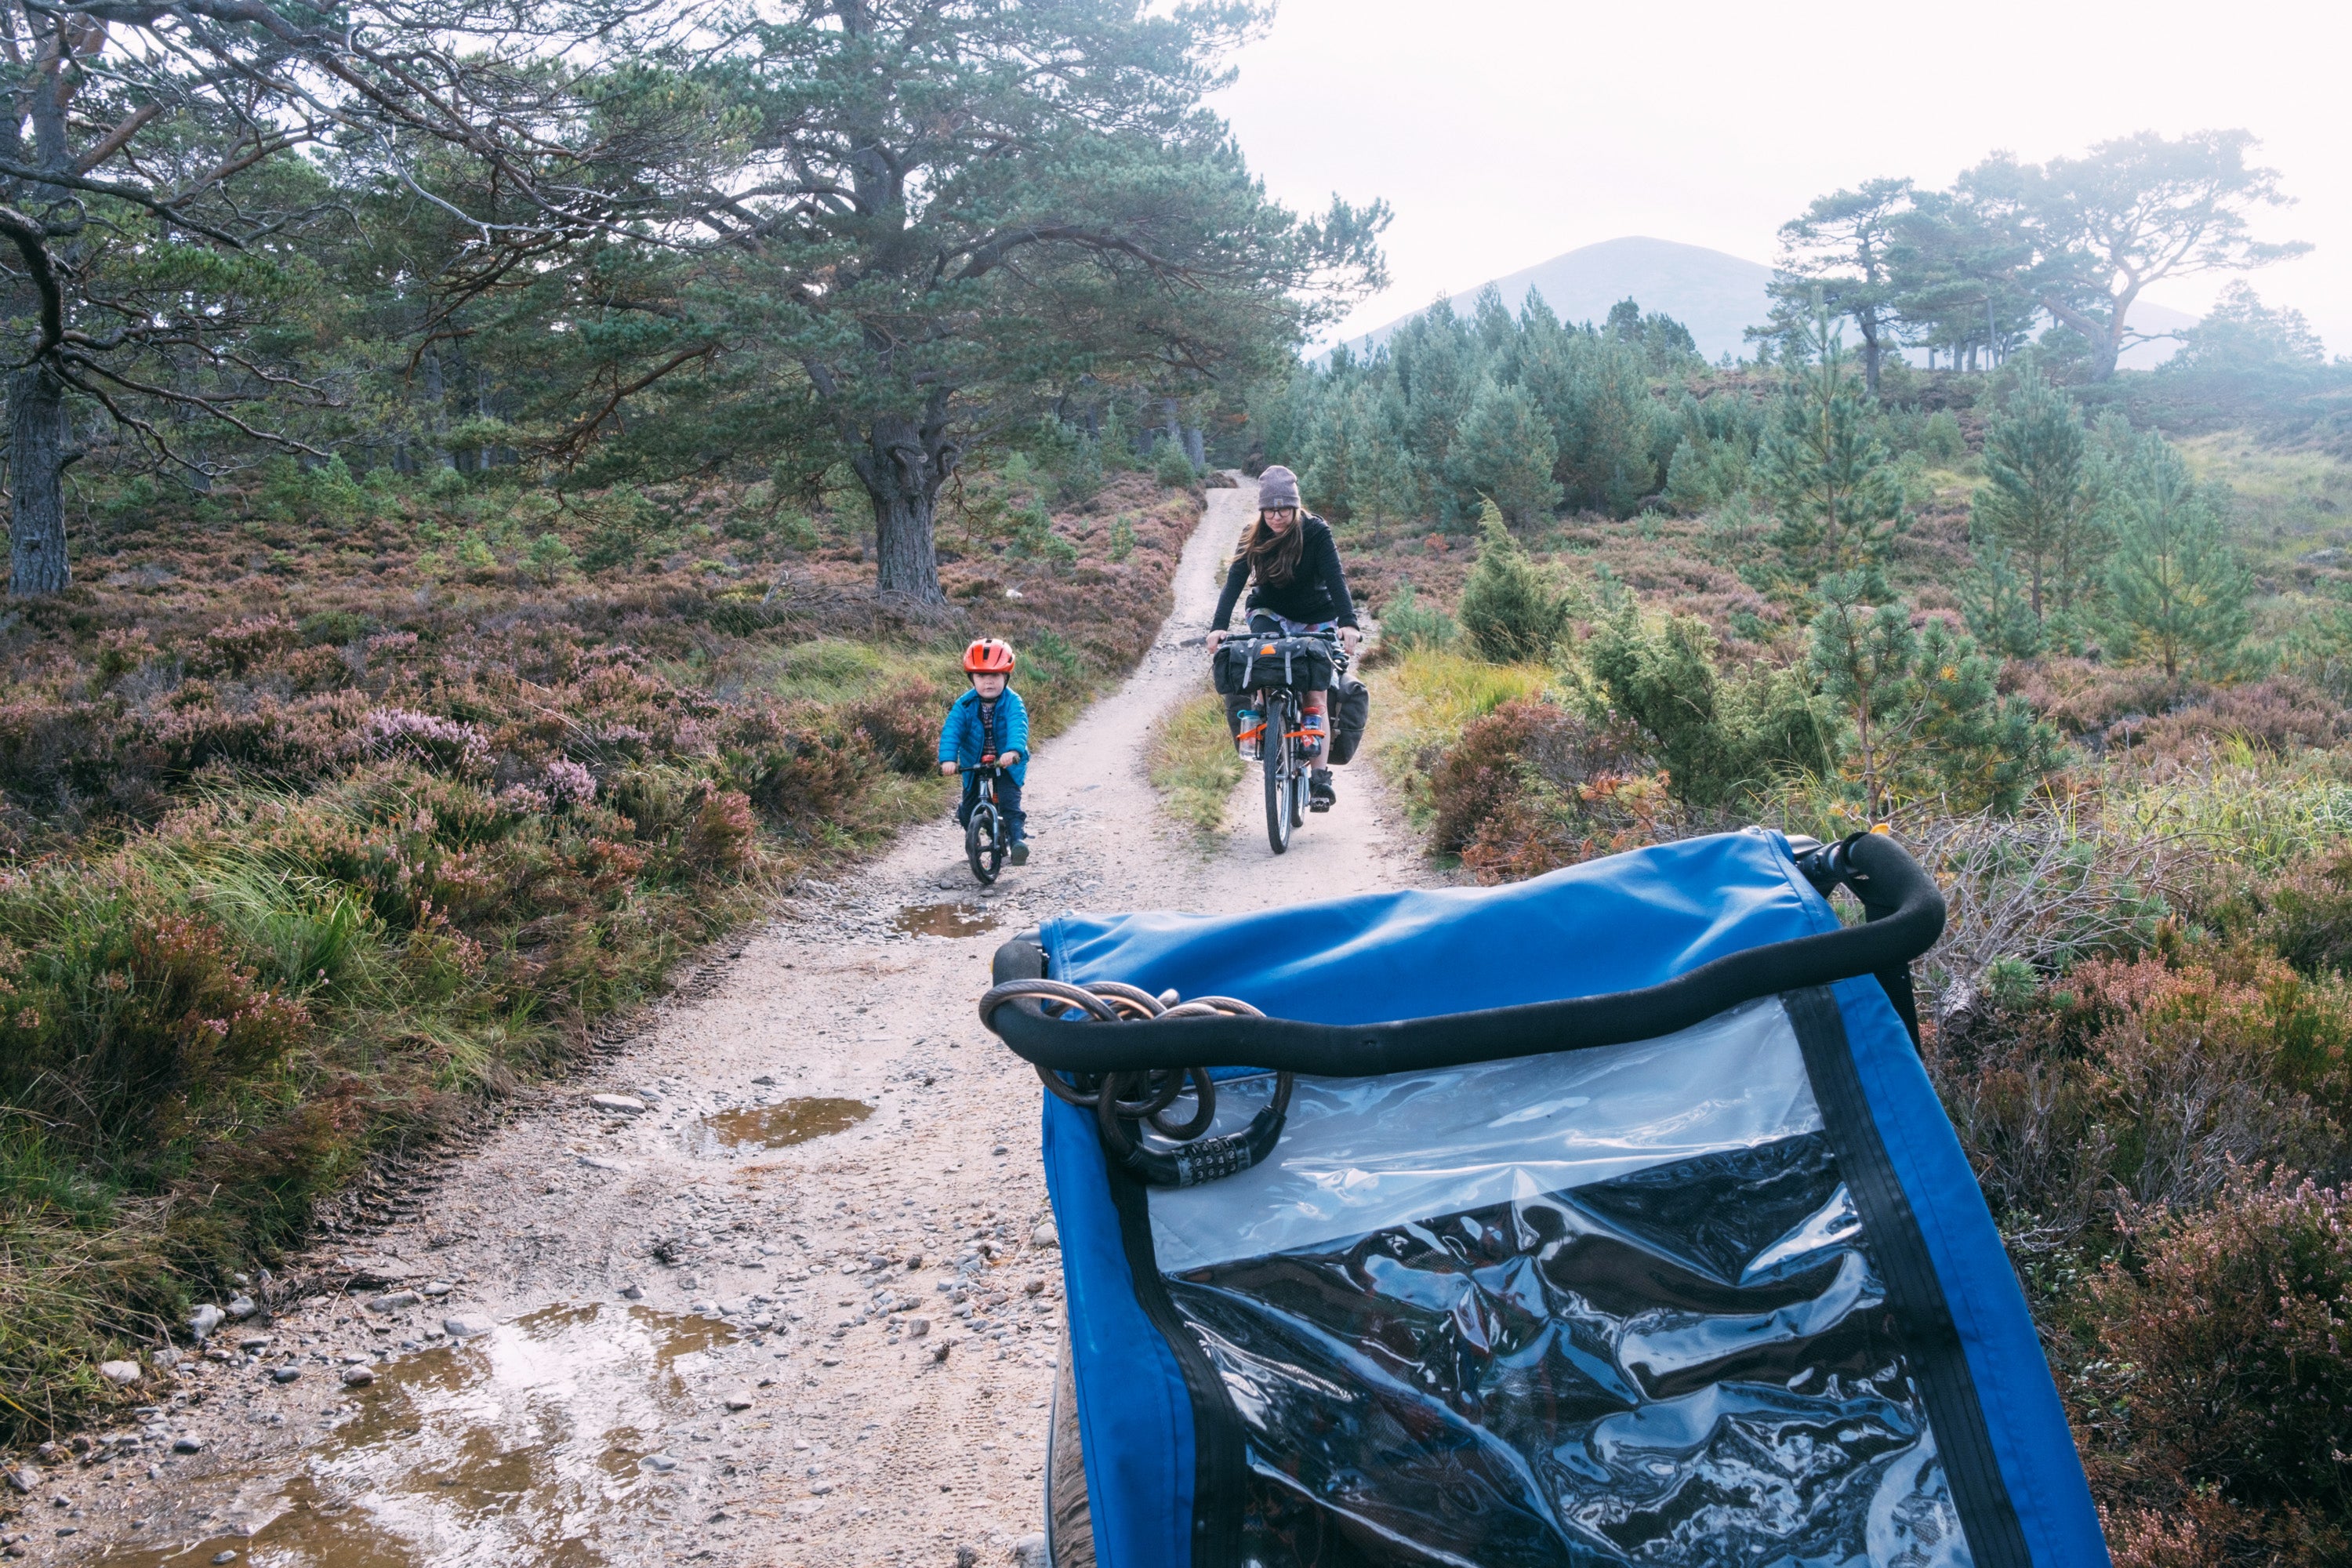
[1281, 769]
[983, 841]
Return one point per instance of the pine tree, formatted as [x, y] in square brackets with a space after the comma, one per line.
[1826, 475]
[1993, 598]
[1509, 610]
[1435, 361]
[1607, 428]
[1923, 715]
[1333, 453]
[2041, 505]
[1388, 484]
[2180, 591]
[1504, 451]
[1717, 735]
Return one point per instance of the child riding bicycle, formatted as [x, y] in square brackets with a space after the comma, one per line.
[989, 724]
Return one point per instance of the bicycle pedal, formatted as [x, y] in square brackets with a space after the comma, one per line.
[1319, 805]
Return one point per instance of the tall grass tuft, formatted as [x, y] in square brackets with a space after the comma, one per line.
[2260, 812]
[1422, 701]
[1193, 763]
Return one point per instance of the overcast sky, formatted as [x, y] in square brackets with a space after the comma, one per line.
[1506, 131]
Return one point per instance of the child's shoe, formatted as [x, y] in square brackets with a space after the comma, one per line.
[1020, 853]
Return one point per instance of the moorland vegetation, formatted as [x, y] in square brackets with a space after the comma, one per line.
[2083, 637]
[493, 498]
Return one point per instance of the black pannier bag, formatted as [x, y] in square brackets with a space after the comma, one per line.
[1250, 662]
[1351, 710]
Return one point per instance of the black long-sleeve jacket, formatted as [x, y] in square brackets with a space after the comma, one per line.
[1318, 590]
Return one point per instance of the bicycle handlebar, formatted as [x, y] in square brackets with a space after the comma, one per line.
[1905, 915]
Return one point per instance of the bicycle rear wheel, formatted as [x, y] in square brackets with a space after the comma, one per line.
[983, 840]
[1281, 769]
[1069, 1514]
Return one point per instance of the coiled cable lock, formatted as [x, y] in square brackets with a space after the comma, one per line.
[1132, 1108]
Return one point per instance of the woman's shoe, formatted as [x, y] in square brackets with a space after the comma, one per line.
[1320, 795]
[1020, 854]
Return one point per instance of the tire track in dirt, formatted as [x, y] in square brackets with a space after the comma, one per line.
[594, 1425]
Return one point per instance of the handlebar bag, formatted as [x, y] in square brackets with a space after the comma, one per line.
[1249, 662]
[1729, 1296]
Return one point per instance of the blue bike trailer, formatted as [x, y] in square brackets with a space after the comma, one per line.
[1606, 1218]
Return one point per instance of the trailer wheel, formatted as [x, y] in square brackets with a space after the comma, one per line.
[1069, 1519]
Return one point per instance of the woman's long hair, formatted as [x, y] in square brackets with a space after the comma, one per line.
[1274, 557]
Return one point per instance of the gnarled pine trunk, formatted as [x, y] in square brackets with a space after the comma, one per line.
[903, 466]
[36, 469]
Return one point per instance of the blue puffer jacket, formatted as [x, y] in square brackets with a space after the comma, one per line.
[961, 739]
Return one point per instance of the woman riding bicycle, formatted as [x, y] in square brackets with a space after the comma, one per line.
[1299, 588]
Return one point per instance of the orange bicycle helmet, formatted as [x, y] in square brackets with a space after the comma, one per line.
[989, 656]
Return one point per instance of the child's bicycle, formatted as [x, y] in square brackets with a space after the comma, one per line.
[987, 837]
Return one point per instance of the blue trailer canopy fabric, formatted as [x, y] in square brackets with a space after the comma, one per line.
[1726, 1297]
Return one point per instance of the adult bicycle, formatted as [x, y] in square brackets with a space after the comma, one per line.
[1274, 724]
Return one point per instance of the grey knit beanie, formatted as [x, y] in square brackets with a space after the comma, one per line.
[1277, 487]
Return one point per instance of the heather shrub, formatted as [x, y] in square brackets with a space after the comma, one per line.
[902, 725]
[796, 765]
[1548, 825]
[2305, 916]
[239, 647]
[723, 834]
[127, 1020]
[1485, 767]
[332, 626]
[2084, 698]
[567, 782]
[2147, 1082]
[57, 752]
[121, 650]
[2278, 716]
[2217, 1392]
[1423, 702]
[306, 852]
[436, 742]
[294, 742]
[1531, 787]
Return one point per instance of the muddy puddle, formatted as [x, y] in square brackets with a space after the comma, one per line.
[944, 919]
[786, 1123]
[540, 1443]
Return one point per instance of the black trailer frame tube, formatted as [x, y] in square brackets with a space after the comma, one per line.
[1906, 914]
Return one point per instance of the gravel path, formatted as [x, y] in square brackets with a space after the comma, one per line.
[668, 1348]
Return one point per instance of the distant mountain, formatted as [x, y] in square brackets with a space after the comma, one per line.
[1717, 296]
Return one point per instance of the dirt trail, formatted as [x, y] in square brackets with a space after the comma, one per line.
[688, 1351]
